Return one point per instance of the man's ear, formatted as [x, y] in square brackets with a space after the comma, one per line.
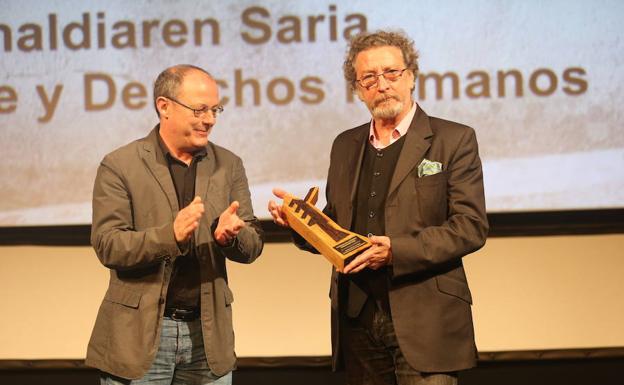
[162, 104]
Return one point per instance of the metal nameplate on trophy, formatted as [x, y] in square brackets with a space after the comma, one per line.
[336, 244]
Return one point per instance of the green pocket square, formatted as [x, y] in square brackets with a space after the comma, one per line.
[428, 167]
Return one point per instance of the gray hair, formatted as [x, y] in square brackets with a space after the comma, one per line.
[368, 40]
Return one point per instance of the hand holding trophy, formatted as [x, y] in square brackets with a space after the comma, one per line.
[336, 244]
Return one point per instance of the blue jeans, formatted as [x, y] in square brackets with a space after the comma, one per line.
[372, 355]
[180, 359]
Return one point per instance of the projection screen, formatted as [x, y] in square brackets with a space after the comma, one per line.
[541, 83]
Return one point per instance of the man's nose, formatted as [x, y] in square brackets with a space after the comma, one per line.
[382, 83]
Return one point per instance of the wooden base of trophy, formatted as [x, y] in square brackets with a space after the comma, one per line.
[336, 244]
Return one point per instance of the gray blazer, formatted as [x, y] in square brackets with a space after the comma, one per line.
[134, 205]
[432, 221]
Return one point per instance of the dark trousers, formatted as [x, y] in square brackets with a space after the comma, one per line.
[372, 355]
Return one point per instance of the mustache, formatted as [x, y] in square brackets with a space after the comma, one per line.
[384, 98]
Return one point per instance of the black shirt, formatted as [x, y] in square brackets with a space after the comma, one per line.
[183, 292]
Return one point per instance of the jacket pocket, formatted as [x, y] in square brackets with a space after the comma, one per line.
[123, 296]
[453, 287]
[431, 180]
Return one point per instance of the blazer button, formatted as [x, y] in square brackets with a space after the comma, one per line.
[380, 154]
[371, 214]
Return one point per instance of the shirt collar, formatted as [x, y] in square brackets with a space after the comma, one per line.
[399, 130]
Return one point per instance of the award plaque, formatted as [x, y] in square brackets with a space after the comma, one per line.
[336, 244]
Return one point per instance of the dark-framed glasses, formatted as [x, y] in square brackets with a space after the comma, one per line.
[371, 80]
[201, 112]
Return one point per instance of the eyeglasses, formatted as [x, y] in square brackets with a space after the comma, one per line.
[201, 112]
[371, 80]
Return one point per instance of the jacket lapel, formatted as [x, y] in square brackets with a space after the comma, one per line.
[205, 170]
[354, 162]
[159, 169]
[416, 144]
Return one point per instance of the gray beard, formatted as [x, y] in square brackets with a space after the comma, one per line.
[387, 112]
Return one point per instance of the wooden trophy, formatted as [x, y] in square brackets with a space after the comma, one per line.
[336, 244]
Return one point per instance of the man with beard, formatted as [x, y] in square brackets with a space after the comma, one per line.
[401, 310]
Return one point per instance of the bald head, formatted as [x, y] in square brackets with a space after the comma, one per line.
[169, 81]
